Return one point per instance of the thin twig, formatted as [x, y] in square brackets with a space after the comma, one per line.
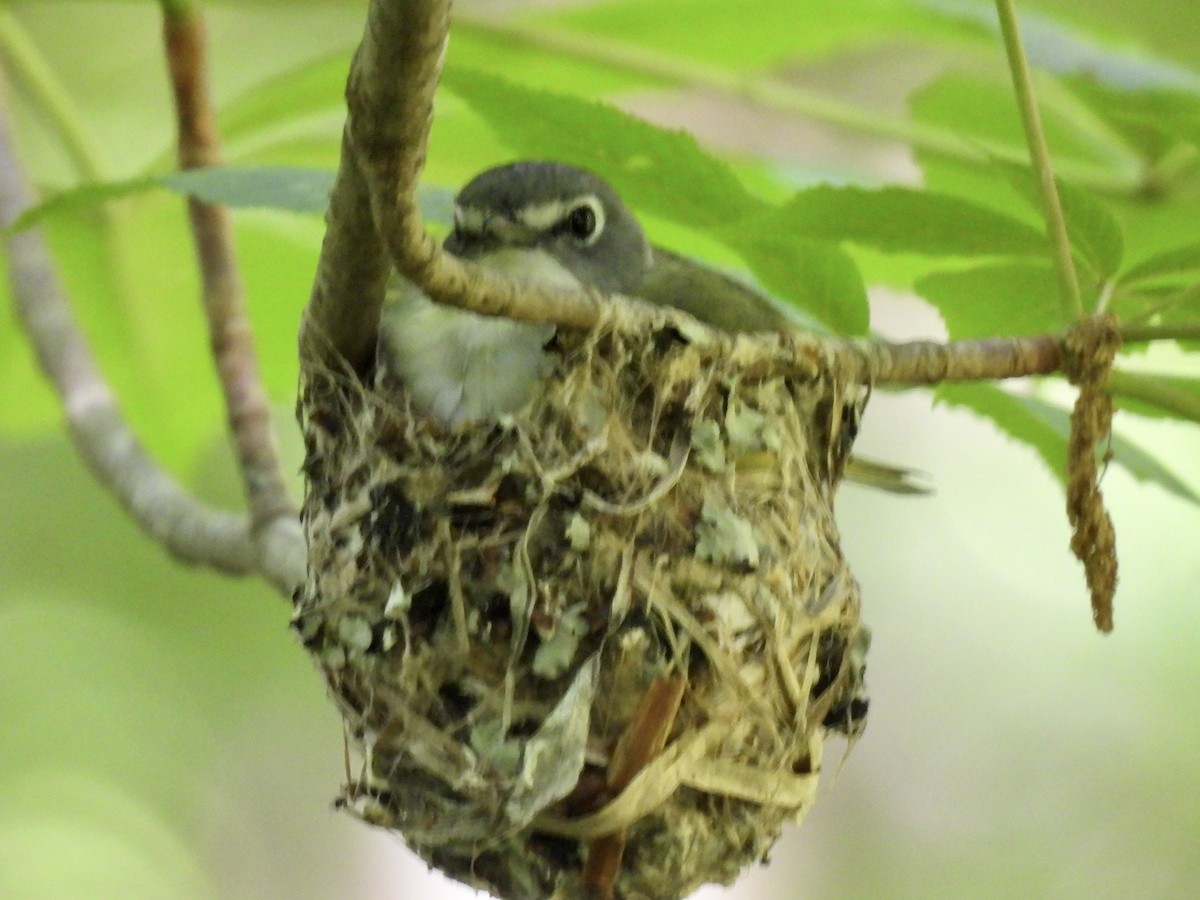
[230, 334]
[190, 530]
[1056, 223]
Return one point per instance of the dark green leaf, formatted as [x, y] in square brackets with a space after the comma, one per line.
[662, 171]
[995, 300]
[903, 220]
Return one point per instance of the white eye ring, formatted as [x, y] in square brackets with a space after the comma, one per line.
[584, 222]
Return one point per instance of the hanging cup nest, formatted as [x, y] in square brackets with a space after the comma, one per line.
[594, 648]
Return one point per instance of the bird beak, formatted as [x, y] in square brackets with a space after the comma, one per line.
[455, 245]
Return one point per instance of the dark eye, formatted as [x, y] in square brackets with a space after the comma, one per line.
[581, 223]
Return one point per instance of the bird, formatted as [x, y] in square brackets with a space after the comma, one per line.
[566, 226]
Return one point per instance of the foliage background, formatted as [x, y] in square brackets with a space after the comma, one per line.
[164, 736]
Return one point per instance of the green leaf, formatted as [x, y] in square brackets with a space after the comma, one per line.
[1046, 428]
[767, 32]
[1058, 48]
[1093, 230]
[1138, 462]
[816, 277]
[1182, 260]
[1172, 111]
[995, 300]
[903, 220]
[283, 188]
[85, 196]
[663, 171]
[1161, 396]
[311, 88]
[1011, 416]
[266, 187]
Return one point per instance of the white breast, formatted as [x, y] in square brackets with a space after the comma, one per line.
[458, 366]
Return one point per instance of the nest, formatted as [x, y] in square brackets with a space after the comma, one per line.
[592, 649]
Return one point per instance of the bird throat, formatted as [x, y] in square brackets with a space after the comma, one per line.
[458, 366]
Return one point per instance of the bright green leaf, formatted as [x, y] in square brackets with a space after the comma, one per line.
[1093, 230]
[311, 88]
[995, 299]
[768, 32]
[816, 277]
[84, 196]
[1011, 416]
[1174, 111]
[1183, 260]
[904, 220]
[663, 171]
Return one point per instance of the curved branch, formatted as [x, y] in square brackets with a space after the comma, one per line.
[190, 530]
[273, 517]
[390, 98]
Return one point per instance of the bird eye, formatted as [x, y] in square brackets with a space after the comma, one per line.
[583, 224]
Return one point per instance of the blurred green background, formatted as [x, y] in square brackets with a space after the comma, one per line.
[163, 735]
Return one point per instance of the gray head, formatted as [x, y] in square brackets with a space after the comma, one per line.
[568, 213]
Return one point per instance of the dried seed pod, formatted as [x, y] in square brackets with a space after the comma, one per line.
[596, 646]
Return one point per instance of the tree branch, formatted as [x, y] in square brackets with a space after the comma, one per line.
[390, 95]
[274, 521]
[190, 530]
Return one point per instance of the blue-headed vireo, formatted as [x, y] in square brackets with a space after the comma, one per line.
[562, 225]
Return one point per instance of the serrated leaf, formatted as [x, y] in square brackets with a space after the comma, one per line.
[995, 300]
[662, 171]
[1093, 230]
[817, 277]
[1137, 462]
[1046, 428]
[1012, 417]
[903, 220]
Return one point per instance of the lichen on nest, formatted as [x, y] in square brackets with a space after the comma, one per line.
[500, 610]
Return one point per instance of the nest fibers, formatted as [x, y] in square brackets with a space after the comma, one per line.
[592, 649]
